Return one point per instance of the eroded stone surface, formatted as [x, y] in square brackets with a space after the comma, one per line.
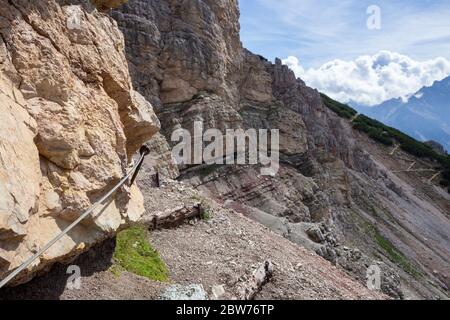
[70, 123]
[186, 58]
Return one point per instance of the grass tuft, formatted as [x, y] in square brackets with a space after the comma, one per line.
[135, 254]
[205, 213]
[205, 209]
[393, 254]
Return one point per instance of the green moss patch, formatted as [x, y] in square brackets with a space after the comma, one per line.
[135, 254]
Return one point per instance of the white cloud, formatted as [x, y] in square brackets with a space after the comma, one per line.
[294, 64]
[419, 95]
[371, 80]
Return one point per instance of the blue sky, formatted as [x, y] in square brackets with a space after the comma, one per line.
[317, 31]
[328, 44]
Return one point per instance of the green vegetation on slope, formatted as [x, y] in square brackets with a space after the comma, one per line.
[340, 109]
[377, 133]
[134, 254]
[388, 135]
[392, 253]
[385, 134]
[407, 143]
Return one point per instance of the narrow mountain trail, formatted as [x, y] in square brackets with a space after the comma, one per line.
[227, 248]
[223, 250]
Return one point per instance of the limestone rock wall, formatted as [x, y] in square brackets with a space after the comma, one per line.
[180, 48]
[70, 123]
[186, 58]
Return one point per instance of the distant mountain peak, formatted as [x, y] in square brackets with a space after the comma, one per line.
[425, 115]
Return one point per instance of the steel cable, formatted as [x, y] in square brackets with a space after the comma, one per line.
[144, 151]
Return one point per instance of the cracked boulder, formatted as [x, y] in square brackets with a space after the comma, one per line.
[71, 122]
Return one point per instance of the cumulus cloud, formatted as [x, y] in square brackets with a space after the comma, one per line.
[371, 80]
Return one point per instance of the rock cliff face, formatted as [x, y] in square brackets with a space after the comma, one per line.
[179, 48]
[70, 123]
[335, 193]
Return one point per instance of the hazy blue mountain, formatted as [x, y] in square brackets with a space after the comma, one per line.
[426, 115]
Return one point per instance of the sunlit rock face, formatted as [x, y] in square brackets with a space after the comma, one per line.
[186, 58]
[70, 123]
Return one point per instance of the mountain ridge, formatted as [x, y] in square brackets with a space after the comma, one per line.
[425, 115]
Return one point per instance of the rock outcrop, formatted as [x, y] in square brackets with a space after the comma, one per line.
[70, 123]
[439, 148]
[186, 58]
[182, 48]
